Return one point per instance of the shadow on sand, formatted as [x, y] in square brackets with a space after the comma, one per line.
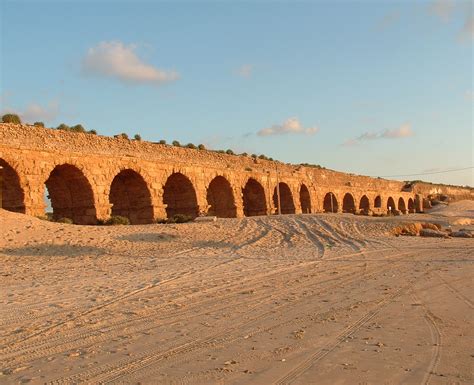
[147, 237]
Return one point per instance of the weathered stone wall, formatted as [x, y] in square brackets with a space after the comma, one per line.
[90, 177]
[455, 193]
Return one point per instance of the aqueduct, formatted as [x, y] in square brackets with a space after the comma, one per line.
[89, 177]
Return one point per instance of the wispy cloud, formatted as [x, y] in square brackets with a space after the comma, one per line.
[388, 20]
[467, 31]
[116, 60]
[35, 112]
[403, 131]
[244, 71]
[289, 126]
[443, 9]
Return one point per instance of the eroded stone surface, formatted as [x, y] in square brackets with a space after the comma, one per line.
[91, 177]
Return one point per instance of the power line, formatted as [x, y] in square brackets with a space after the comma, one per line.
[428, 173]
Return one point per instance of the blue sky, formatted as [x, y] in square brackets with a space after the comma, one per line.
[370, 87]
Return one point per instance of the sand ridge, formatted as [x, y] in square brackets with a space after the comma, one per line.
[300, 299]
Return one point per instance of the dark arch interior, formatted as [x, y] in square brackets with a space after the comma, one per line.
[378, 202]
[254, 199]
[12, 195]
[348, 204]
[71, 195]
[411, 206]
[330, 204]
[220, 198]
[401, 205]
[130, 197]
[305, 200]
[179, 196]
[286, 199]
[364, 205]
[390, 205]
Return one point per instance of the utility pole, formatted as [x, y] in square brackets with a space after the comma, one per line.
[278, 190]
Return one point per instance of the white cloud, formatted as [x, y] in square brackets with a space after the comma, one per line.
[404, 131]
[244, 71]
[117, 60]
[443, 9]
[289, 126]
[35, 112]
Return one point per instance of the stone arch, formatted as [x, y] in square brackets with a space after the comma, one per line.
[378, 202]
[130, 197]
[12, 196]
[254, 198]
[305, 199]
[401, 205]
[348, 204]
[364, 205]
[220, 198]
[179, 196]
[71, 194]
[330, 204]
[287, 204]
[390, 205]
[411, 206]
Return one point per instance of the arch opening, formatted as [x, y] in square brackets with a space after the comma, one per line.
[411, 206]
[287, 205]
[12, 195]
[180, 196]
[220, 198]
[71, 195]
[378, 202]
[390, 205]
[305, 200]
[401, 205]
[348, 204]
[330, 204]
[364, 205]
[131, 198]
[254, 199]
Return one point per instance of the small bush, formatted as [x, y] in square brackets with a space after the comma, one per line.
[244, 154]
[11, 118]
[63, 127]
[181, 218]
[201, 147]
[38, 124]
[190, 145]
[93, 132]
[117, 220]
[77, 128]
[248, 169]
[123, 135]
[229, 152]
[137, 137]
[262, 157]
[254, 156]
[176, 143]
[162, 141]
[220, 151]
[161, 221]
[65, 220]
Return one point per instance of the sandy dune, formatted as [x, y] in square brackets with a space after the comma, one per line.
[308, 299]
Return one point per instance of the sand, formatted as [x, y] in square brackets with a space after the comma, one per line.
[297, 299]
